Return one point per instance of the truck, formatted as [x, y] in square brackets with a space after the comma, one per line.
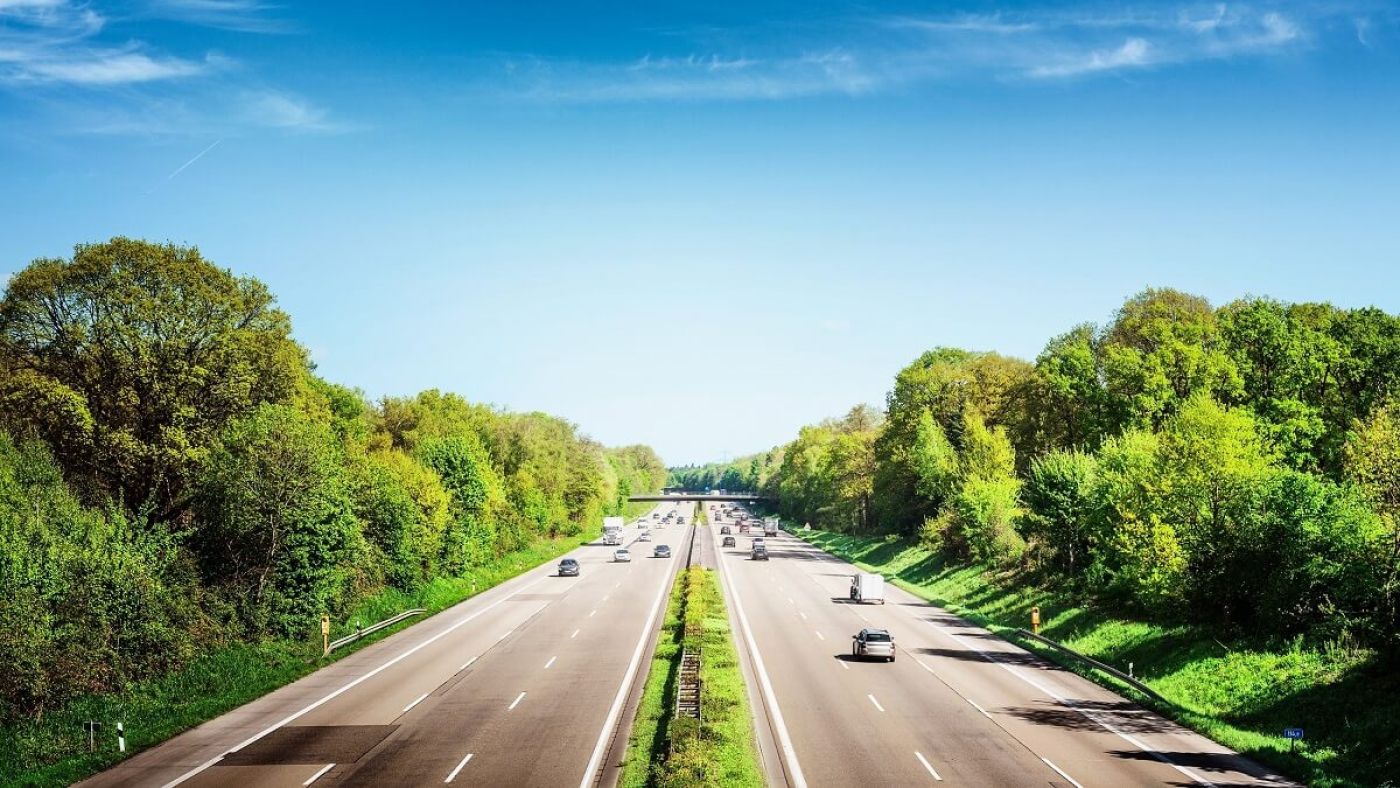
[770, 526]
[868, 587]
[612, 530]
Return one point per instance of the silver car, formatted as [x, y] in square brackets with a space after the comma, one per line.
[622, 556]
[873, 643]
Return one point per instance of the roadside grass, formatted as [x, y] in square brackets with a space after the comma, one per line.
[720, 748]
[53, 750]
[1241, 694]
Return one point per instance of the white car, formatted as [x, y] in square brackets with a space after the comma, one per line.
[622, 556]
[645, 536]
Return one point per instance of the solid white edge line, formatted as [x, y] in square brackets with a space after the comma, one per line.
[515, 702]
[979, 708]
[417, 701]
[453, 775]
[466, 664]
[1061, 772]
[876, 702]
[776, 714]
[352, 684]
[1071, 705]
[550, 662]
[595, 760]
[313, 778]
[929, 766]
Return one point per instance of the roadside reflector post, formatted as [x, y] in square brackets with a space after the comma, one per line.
[121, 738]
[325, 634]
[1035, 620]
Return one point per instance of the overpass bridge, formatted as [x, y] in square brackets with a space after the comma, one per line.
[695, 496]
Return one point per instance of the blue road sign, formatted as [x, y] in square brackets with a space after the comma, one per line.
[1292, 733]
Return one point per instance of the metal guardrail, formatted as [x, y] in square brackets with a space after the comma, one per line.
[371, 629]
[1109, 669]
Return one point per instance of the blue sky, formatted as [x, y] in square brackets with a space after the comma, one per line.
[702, 225]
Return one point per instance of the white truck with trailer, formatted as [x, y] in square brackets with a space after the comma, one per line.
[612, 530]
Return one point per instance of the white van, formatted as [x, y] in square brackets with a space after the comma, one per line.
[868, 587]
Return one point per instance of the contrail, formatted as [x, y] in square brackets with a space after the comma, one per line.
[196, 158]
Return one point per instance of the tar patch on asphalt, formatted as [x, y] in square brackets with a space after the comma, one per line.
[310, 744]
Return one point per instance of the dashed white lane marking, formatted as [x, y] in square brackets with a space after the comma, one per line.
[929, 766]
[843, 664]
[605, 597]
[504, 636]
[1061, 772]
[576, 631]
[313, 778]
[353, 683]
[820, 635]
[453, 774]
[466, 664]
[876, 702]
[416, 701]
[790, 602]
[804, 615]
[550, 662]
[516, 702]
[590, 615]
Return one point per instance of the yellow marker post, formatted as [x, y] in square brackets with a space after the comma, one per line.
[1035, 620]
[325, 635]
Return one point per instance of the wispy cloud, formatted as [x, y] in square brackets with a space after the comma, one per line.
[691, 78]
[245, 16]
[872, 55]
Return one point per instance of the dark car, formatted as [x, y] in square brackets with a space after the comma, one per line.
[661, 551]
[873, 643]
[724, 529]
[760, 553]
[728, 541]
[568, 568]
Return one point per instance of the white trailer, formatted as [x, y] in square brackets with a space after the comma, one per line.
[612, 530]
[868, 587]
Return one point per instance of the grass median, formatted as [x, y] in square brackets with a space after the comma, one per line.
[720, 748]
[53, 751]
[1241, 694]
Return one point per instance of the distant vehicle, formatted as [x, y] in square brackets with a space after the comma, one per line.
[728, 541]
[873, 643]
[645, 536]
[656, 515]
[770, 526]
[680, 521]
[622, 556]
[743, 528]
[758, 542]
[568, 568]
[759, 553]
[661, 551]
[612, 530]
[868, 587]
[724, 529]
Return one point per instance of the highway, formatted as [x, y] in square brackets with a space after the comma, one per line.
[525, 684]
[958, 705]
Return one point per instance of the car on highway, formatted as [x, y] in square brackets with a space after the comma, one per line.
[758, 542]
[568, 568]
[724, 529]
[656, 515]
[759, 553]
[661, 551]
[873, 643]
[728, 541]
[644, 536]
[622, 556]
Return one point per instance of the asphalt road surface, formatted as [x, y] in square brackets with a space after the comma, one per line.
[958, 705]
[526, 684]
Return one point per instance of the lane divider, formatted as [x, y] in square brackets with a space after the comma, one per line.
[931, 771]
[313, 778]
[453, 775]
[415, 702]
[876, 702]
[516, 702]
[1061, 772]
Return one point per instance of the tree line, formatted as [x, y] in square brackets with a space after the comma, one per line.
[175, 476]
[1235, 466]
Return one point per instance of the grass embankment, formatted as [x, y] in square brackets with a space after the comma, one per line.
[1240, 694]
[53, 749]
[720, 748]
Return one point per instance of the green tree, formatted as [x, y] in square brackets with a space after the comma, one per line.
[131, 357]
[404, 510]
[277, 528]
[1060, 508]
